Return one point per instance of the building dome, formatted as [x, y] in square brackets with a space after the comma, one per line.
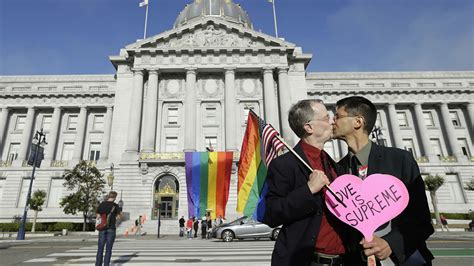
[225, 9]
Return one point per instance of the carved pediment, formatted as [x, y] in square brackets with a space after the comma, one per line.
[210, 33]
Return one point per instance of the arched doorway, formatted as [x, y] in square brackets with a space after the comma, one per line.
[166, 197]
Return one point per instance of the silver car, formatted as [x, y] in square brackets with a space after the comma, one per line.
[244, 227]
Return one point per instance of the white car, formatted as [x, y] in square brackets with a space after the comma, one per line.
[244, 227]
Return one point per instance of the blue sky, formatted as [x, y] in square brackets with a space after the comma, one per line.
[77, 36]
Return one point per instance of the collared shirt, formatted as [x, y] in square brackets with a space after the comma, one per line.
[328, 241]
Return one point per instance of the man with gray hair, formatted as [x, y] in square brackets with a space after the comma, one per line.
[310, 235]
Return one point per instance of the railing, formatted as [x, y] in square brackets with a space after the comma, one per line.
[422, 159]
[59, 163]
[170, 156]
[5, 163]
[448, 159]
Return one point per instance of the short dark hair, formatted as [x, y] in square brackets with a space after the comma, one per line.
[300, 113]
[112, 195]
[358, 105]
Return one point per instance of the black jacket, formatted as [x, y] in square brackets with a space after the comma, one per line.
[412, 227]
[290, 203]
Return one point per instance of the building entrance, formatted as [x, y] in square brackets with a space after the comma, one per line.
[166, 198]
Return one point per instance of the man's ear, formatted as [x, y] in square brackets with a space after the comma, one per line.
[358, 122]
[308, 128]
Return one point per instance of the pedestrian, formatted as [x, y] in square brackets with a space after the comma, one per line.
[107, 236]
[196, 227]
[138, 226]
[209, 226]
[219, 220]
[310, 234]
[181, 226]
[203, 228]
[189, 228]
[444, 223]
[403, 239]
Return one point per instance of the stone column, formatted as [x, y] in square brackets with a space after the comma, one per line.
[424, 137]
[190, 111]
[450, 132]
[397, 136]
[53, 134]
[470, 114]
[26, 135]
[107, 130]
[285, 104]
[134, 122]
[3, 128]
[80, 134]
[150, 112]
[230, 110]
[269, 99]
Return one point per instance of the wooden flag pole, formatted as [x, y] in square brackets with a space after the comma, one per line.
[309, 167]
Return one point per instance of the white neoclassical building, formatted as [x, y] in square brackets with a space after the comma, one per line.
[191, 87]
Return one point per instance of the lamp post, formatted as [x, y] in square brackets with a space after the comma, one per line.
[110, 177]
[376, 134]
[35, 158]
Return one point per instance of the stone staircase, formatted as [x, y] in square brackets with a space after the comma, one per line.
[168, 227]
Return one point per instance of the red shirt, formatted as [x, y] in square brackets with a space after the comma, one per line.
[328, 241]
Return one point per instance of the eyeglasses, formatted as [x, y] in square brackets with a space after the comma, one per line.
[325, 119]
[338, 116]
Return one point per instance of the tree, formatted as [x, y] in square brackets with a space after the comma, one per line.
[470, 185]
[432, 183]
[88, 185]
[36, 203]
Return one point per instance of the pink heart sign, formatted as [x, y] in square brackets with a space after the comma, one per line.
[369, 203]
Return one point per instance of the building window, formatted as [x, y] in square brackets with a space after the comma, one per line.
[98, 123]
[428, 117]
[13, 151]
[452, 84]
[436, 144]
[454, 118]
[409, 146]
[427, 84]
[451, 190]
[350, 85]
[400, 85]
[55, 193]
[46, 122]
[25, 185]
[172, 116]
[375, 85]
[321, 86]
[402, 119]
[20, 122]
[67, 151]
[94, 151]
[211, 115]
[72, 122]
[171, 144]
[464, 147]
[210, 142]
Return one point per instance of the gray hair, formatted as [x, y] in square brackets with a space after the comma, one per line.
[300, 113]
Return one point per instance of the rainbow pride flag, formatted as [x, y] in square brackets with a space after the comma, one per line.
[208, 182]
[259, 147]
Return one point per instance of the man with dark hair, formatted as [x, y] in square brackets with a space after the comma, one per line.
[107, 236]
[403, 239]
[310, 235]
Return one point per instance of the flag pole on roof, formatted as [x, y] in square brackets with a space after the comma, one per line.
[145, 4]
[274, 17]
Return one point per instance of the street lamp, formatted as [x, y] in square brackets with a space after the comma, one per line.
[35, 158]
[110, 177]
[376, 134]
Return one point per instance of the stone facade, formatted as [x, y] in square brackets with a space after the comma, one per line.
[190, 88]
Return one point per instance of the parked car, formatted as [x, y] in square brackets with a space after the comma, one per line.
[244, 227]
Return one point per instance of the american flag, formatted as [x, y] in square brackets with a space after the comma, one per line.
[271, 144]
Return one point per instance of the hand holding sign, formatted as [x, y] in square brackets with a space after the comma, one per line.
[370, 202]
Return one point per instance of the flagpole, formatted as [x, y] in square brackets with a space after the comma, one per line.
[275, 18]
[146, 20]
[309, 167]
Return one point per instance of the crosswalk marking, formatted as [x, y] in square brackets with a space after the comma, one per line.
[170, 252]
